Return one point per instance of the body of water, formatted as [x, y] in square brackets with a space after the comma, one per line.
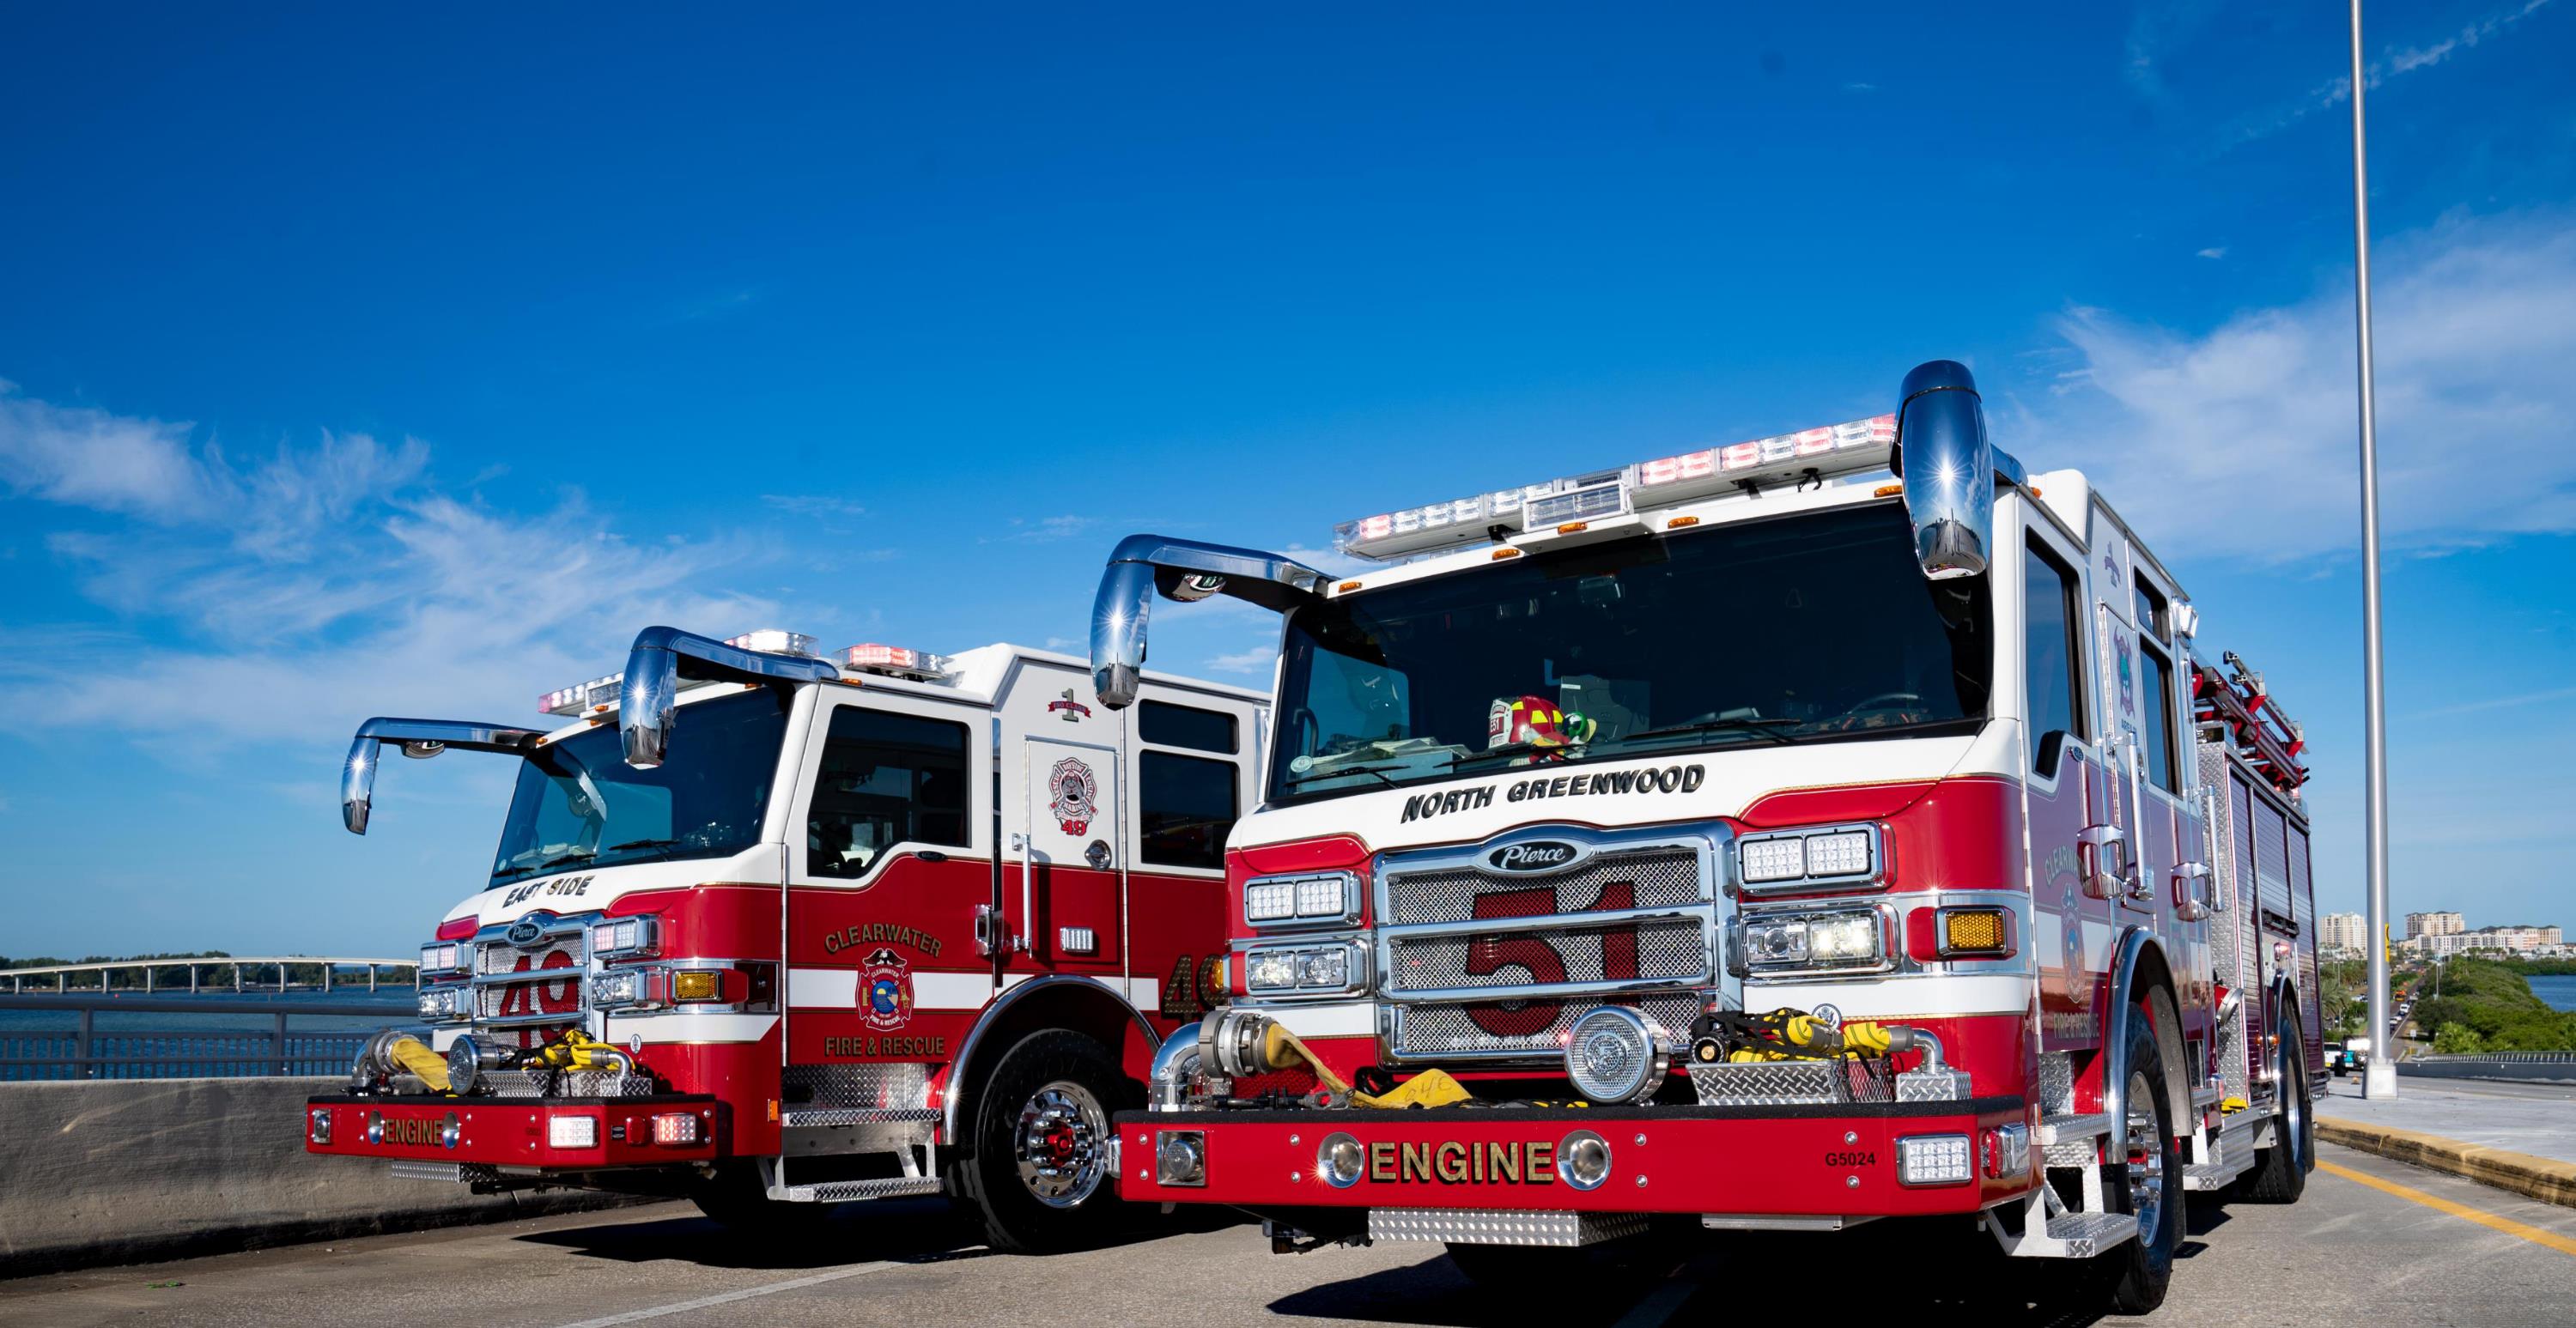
[2558, 990]
[400, 1004]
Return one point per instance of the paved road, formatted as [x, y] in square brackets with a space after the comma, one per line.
[2534, 1118]
[2353, 1252]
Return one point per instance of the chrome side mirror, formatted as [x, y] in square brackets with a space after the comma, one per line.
[646, 700]
[1949, 467]
[419, 739]
[358, 784]
[661, 656]
[1184, 570]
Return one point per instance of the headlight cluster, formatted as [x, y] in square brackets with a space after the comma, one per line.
[1840, 938]
[445, 957]
[1320, 898]
[625, 938]
[1303, 968]
[438, 1004]
[631, 987]
[1795, 858]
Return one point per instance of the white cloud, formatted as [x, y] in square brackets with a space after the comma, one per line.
[1258, 659]
[287, 599]
[2214, 251]
[1047, 528]
[2244, 439]
[813, 504]
[2336, 91]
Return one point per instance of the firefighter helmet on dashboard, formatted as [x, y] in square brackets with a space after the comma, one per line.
[1534, 720]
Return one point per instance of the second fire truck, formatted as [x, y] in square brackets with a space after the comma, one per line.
[771, 930]
[1830, 827]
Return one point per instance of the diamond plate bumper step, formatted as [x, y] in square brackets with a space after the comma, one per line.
[857, 1116]
[1488, 1226]
[2081, 1128]
[2087, 1234]
[2214, 1175]
[844, 1191]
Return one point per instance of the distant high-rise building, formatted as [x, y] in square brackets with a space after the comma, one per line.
[2434, 924]
[2343, 933]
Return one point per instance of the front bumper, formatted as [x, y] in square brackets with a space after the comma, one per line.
[1837, 1160]
[518, 1133]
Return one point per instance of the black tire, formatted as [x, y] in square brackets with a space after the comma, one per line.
[2282, 1174]
[738, 1201]
[2132, 1276]
[1037, 1170]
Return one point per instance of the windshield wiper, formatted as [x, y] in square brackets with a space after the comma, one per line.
[567, 859]
[643, 843]
[1377, 770]
[1758, 727]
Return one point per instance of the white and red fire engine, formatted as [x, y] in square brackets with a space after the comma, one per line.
[1747, 839]
[774, 931]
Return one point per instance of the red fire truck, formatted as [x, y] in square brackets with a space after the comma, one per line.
[775, 931]
[1828, 827]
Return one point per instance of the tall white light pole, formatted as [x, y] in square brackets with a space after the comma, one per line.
[2379, 1078]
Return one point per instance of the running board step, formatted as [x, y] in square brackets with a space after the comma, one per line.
[2082, 1128]
[2087, 1234]
[844, 1191]
[856, 1116]
[2213, 1175]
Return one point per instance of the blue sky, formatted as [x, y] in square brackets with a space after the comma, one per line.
[361, 364]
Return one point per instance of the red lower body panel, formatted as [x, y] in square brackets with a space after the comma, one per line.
[511, 1132]
[1836, 1161]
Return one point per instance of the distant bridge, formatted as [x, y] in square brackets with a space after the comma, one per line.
[254, 964]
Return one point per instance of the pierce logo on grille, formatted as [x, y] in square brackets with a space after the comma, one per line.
[1539, 855]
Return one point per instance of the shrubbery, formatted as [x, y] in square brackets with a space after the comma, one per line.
[2486, 1006]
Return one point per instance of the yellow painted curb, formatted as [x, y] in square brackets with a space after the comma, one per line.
[2545, 1179]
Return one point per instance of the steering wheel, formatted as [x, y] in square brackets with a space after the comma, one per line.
[1883, 701]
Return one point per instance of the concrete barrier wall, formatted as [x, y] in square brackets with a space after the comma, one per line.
[124, 1171]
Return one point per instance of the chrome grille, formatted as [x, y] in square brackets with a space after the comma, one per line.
[522, 994]
[1659, 877]
[1471, 957]
[1645, 950]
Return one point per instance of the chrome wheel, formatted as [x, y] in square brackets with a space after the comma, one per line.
[2146, 1150]
[1061, 1144]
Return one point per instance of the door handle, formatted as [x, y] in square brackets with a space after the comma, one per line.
[2100, 880]
[2188, 904]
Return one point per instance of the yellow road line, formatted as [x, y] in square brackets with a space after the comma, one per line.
[2562, 1244]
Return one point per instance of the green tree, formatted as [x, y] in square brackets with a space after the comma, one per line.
[2457, 1040]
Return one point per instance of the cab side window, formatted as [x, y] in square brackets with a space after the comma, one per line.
[2052, 653]
[885, 779]
[1185, 807]
[2156, 700]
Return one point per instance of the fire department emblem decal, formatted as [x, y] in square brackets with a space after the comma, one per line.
[885, 990]
[1073, 791]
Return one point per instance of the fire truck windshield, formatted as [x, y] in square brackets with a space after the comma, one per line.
[1812, 627]
[579, 804]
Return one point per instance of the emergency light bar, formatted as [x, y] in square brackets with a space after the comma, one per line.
[899, 661]
[1818, 454]
[600, 693]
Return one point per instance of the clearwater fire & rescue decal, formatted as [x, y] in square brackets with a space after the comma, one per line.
[885, 990]
[1074, 793]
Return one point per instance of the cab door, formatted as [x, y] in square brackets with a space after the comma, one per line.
[1069, 905]
[2124, 835]
[889, 856]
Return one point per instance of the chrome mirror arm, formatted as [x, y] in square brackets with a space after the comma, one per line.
[1184, 570]
[662, 656]
[421, 739]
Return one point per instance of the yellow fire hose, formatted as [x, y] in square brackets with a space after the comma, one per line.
[1431, 1088]
[411, 1055]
